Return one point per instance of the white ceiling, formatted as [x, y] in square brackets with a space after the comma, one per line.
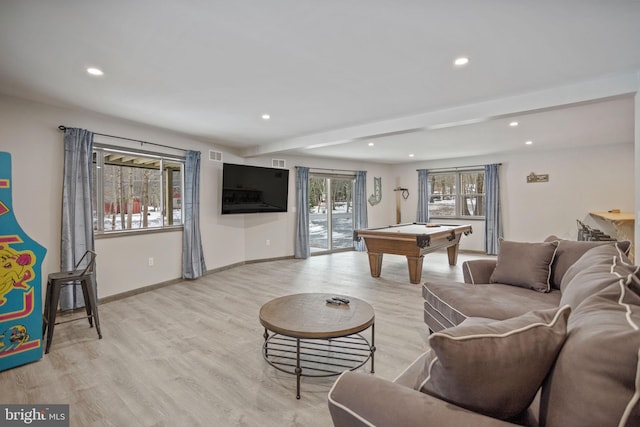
[336, 75]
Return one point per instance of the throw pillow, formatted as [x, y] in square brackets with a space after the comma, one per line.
[597, 269]
[523, 264]
[495, 368]
[595, 380]
[569, 251]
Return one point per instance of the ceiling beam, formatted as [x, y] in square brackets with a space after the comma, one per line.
[548, 99]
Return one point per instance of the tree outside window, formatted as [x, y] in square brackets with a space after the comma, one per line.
[456, 194]
[136, 191]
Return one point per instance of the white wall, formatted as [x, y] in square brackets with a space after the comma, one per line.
[580, 180]
[279, 228]
[29, 132]
[597, 178]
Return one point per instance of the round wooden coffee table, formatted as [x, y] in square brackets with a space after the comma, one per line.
[314, 338]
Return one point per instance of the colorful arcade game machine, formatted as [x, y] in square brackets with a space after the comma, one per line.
[20, 283]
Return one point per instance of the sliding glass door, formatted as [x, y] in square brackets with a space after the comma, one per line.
[330, 212]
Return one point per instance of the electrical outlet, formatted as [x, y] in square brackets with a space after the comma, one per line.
[150, 261]
[268, 242]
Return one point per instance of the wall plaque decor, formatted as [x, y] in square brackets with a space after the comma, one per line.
[375, 198]
[532, 177]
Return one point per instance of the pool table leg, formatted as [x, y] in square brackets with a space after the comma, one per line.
[415, 268]
[452, 251]
[375, 263]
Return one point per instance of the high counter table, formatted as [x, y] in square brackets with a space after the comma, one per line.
[622, 224]
[413, 241]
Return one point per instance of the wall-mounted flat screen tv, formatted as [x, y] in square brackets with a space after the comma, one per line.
[254, 189]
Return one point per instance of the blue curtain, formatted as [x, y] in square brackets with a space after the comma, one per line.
[360, 207]
[493, 214]
[77, 216]
[302, 249]
[193, 265]
[422, 214]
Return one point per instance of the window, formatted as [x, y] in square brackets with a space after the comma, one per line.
[330, 212]
[456, 194]
[136, 190]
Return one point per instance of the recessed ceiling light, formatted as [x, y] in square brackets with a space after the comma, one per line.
[513, 124]
[459, 62]
[371, 144]
[95, 71]
[266, 117]
[529, 142]
[410, 155]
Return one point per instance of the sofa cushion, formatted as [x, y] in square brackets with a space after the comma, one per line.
[596, 378]
[569, 251]
[495, 368]
[448, 303]
[597, 269]
[525, 264]
[478, 270]
[360, 399]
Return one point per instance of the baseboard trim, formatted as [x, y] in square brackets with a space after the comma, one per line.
[137, 291]
[154, 286]
[256, 261]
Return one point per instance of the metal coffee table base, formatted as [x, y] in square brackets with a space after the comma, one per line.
[317, 357]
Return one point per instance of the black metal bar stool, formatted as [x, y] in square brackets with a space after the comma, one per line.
[55, 282]
[588, 233]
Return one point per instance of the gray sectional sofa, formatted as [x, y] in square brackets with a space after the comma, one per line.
[548, 334]
[449, 303]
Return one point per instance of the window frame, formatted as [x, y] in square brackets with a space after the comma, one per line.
[329, 179]
[166, 185]
[459, 194]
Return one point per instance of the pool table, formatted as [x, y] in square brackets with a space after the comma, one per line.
[412, 240]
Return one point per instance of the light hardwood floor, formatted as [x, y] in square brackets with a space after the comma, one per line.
[189, 354]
